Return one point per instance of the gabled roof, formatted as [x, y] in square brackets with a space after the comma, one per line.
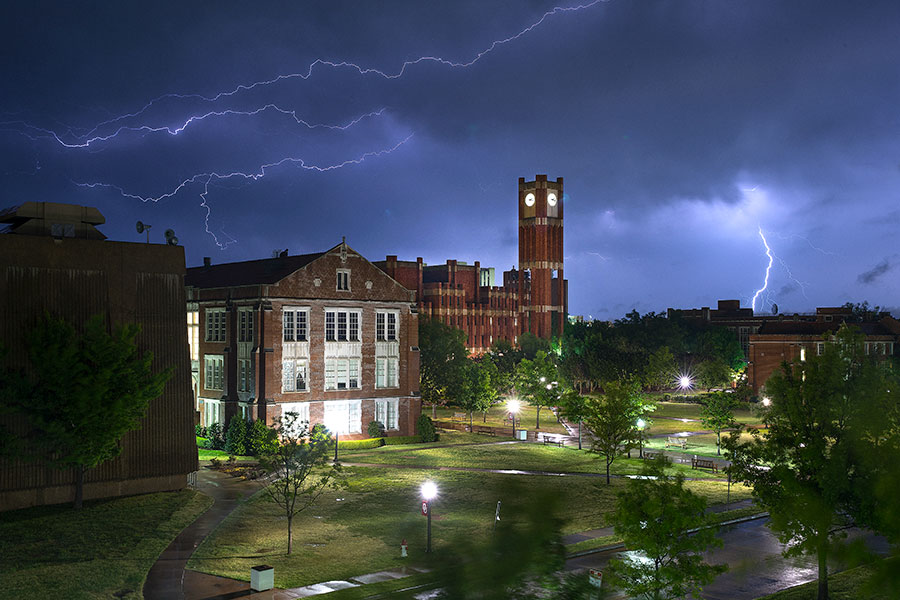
[251, 272]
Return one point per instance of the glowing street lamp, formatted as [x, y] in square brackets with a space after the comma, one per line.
[514, 406]
[766, 402]
[429, 492]
[685, 382]
[640, 425]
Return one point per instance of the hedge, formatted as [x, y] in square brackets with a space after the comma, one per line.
[402, 439]
[360, 444]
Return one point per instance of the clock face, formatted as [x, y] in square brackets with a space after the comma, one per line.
[551, 199]
[529, 199]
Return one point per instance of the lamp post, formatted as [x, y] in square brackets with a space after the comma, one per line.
[514, 406]
[429, 492]
[640, 426]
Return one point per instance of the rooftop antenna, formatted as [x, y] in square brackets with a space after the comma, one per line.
[170, 237]
[142, 227]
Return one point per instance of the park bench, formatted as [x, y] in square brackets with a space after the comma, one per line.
[676, 441]
[704, 463]
[459, 416]
[650, 454]
[552, 441]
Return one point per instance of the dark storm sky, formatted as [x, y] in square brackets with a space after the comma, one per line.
[681, 128]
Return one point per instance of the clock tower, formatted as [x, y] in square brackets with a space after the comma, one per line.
[542, 289]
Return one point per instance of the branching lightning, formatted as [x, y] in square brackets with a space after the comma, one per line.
[768, 270]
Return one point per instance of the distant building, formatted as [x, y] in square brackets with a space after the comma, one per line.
[326, 335]
[53, 259]
[532, 297]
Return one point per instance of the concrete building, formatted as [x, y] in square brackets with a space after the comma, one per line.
[53, 259]
[533, 297]
[326, 335]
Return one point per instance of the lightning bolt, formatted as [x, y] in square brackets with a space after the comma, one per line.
[768, 269]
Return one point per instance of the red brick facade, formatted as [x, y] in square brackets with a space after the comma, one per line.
[532, 298]
[250, 315]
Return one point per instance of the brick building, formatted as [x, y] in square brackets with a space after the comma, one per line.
[53, 258]
[327, 335]
[532, 297]
[792, 340]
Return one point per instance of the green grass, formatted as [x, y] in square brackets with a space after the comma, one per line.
[701, 445]
[204, 454]
[496, 415]
[847, 585]
[102, 551]
[684, 410]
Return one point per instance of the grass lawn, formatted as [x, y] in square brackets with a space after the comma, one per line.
[358, 530]
[102, 551]
[496, 415]
[683, 410]
[701, 445]
[205, 454]
[847, 585]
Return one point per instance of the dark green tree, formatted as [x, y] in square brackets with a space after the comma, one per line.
[713, 373]
[717, 414]
[660, 372]
[662, 522]
[530, 345]
[537, 382]
[442, 359]
[612, 419]
[236, 437]
[574, 408]
[82, 391]
[829, 458]
[299, 468]
[477, 388]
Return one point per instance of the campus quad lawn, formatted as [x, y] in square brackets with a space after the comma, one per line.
[105, 550]
[701, 445]
[497, 414]
[847, 585]
[685, 410]
[358, 530]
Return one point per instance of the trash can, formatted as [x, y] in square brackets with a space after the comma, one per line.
[521, 434]
[262, 578]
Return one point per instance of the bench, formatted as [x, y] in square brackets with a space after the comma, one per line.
[650, 454]
[458, 416]
[552, 441]
[676, 441]
[704, 463]
[485, 429]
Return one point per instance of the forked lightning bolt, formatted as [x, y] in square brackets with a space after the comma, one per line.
[768, 269]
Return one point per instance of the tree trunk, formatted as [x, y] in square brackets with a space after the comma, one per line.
[433, 411]
[484, 416]
[579, 434]
[823, 574]
[290, 534]
[718, 443]
[537, 423]
[79, 486]
[607, 472]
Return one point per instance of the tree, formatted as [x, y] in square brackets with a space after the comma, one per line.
[299, 468]
[661, 520]
[717, 413]
[661, 369]
[612, 419]
[713, 373]
[505, 358]
[81, 393]
[237, 436]
[831, 450]
[441, 361]
[530, 345]
[537, 382]
[573, 407]
[477, 390]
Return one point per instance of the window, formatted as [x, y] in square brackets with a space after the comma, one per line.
[820, 348]
[293, 376]
[343, 416]
[245, 325]
[802, 354]
[245, 375]
[386, 326]
[302, 411]
[342, 325]
[193, 325]
[341, 373]
[214, 368]
[343, 280]
[213, 412]
[386, 370]
[386, 413]
[215, 324]
[295, 323]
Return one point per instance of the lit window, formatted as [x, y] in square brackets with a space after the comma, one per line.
[341, 374]
[193, 325]
[214, 371]
[386, 370]
[343, 416]
[301, 422]
[386, 412]
[343, 280]
[293, 376]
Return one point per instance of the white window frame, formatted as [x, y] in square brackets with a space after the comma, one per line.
[340, 374]
[342, 283]
[214, 372]
[343, 416]
[387, 372]
[291, 318]
[193, 325]
[302, 410]
[245, 324]
[215, 325]
[387, 412]
[289, 372]
[350, 318]
[213, 412]
[245, 375]
[385, 329]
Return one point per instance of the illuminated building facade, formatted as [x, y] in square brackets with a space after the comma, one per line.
[532, 298]
[327, 335]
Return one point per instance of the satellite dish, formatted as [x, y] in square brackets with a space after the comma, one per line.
[172, 241]
[140, 227]
[774, 309]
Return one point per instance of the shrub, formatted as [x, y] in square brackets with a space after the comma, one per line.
[376, 429]
[262, 440]
[402, 439]
[215, 437]
[236, 436]
[200, 430]
[202, 442]
[426, 429]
